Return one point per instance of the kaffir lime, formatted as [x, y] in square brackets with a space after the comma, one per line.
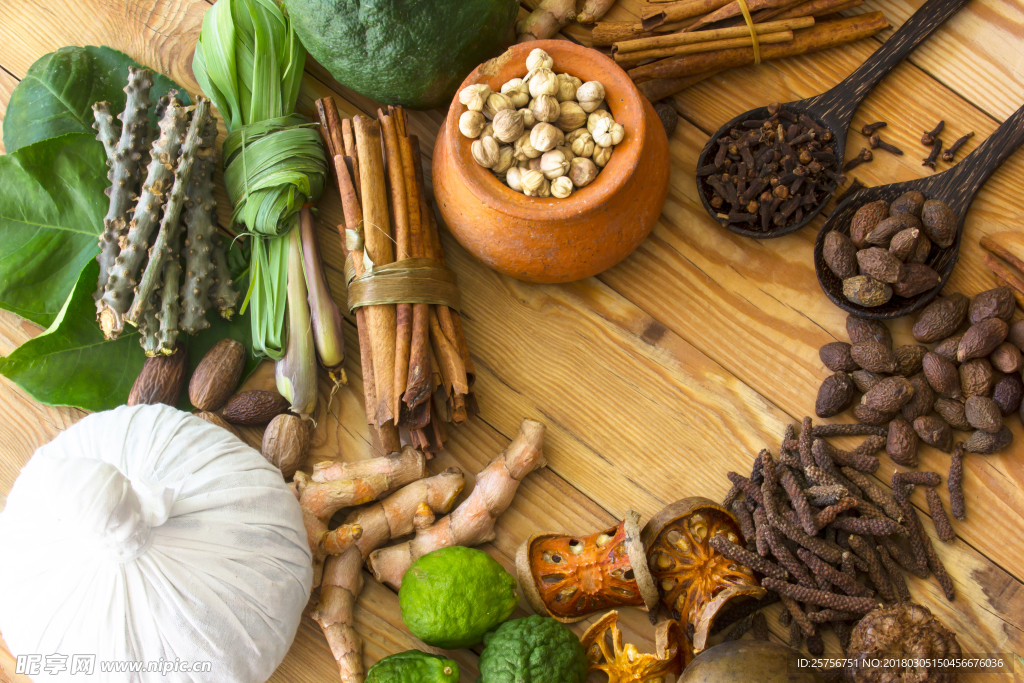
[413, 666]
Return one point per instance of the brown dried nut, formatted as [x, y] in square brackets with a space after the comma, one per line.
[901, 443]
[1007, 393]
[939, 222]
[840, 255]
[917, 279]
[881, 235]
[874, 356]
[1016, 334]
[903, 243]
[947, 348]
[983, 413]
[286, 443]
[952, 411]
[217, 375]
[921, 403]
[941, 318]
[880, 264]
[865, 220]
[935, 432]
[908, 359]
[976, 377]
[1006, 358]
[889, 395]
[215, 419]
[255, 407]
[836, 357]
[160, 379]
[981, 339]
[922, 250]
[864, 329]
[907, 203]
[835, 395]
[993, 303]
[870, 416]
[942, 375]
[866, 291]
[865, 379]
[987, 444]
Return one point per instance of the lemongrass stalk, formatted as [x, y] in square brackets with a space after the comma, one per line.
[328, 333]
[296, 371]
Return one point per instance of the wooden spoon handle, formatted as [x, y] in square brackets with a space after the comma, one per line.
[838, 104]
[959, 185]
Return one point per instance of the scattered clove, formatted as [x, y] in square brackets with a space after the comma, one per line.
[929, 138]
[876, 142]
[865, 155]
[870, 128]
[930, 160]
[950, 153]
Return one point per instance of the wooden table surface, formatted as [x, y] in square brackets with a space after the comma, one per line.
[658, 376]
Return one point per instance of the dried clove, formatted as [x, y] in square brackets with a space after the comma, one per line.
[876, 142]
[929, 138]
[930, 160]
[870, 128]
[865, 155]
[950, 153]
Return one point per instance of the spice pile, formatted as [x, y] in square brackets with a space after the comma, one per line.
[548, 133]
[888, 247]
[770, 173]
[171, 221]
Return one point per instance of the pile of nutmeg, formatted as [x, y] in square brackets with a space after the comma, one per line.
[544, 135]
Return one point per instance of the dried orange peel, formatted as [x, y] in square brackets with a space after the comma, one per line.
[624, 663]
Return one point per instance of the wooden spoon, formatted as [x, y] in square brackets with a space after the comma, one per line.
[834, 109]
[956, 187]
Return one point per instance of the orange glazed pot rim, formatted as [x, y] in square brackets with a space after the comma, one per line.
[623, 99]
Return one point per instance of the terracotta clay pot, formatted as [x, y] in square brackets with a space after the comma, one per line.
[550, 239]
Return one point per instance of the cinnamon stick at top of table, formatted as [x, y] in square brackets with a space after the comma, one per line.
[733, 10]
[652, 17]
[822, 35]
[812, 8]
[676, 39]
[628, 60]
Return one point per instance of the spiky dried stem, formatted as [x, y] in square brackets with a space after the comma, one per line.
[165, 244]
[472, 523]
[200, 222]
[169, 306]
[222, 294]
[124, 157]
[107, 131]
[149, 333]
[117, 295]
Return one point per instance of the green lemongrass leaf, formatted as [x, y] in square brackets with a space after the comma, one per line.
[51, 211]
[216, 64]
[56, 95]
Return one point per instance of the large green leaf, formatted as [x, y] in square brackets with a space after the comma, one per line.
[56, 95]
[71, 364]
[51, 211]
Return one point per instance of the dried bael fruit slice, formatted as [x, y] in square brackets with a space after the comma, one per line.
[624, 663]
[695, 580]
[569, 577]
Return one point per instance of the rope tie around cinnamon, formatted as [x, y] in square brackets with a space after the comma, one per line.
[410, 281]
[753, 32]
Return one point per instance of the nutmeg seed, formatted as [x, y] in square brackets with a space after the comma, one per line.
[286, 443]
[217, 375]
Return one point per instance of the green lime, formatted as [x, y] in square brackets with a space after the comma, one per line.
[451, 597]
[413, 666]
[536, 649]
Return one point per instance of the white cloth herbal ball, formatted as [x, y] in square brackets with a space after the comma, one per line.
[145, 533]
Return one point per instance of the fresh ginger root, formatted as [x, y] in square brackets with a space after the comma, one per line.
[593, 10]
[337, 485]
[472, 523]
[342, 581]
[409, 465]
[546, 20]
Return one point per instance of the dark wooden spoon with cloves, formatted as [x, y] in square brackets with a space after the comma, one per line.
[831, 113]
[956, 187]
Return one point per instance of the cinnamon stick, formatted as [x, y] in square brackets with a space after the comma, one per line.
[814, 8]
[733, 10]
[607, 33]
[652, 17]
[1002, 271]
[676, 39]
[660, 88]
[1019, 296]
[630, 59]
[990, 245]
[823, 35]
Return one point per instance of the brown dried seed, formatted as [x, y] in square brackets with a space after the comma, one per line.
[889, 395]
[903, 243]
[864, 329]
[935, 432]
[922, 250]
[835, 395]
[866, 291]
[986, 443]
[217, 375]
[1006, 358]
[286, 443]
[865, 220]
[977, 377]
[880, 264]
[836, 357]
[901, 445]
[952, 411]
[942, 375]
[160, 379]
[840, 255]
[874, 356]
[254, 407]
[982, 339]
[870, 416]
[917, 278]
[984, 414]
[907, 203]
[955, 483]
[941, 318]
[1007, 393]
[908, 359]
[939, 222]
[865, 379]
[1015, 336]
[947, 348]
[882, 234]
[993, 303]
[921, 403]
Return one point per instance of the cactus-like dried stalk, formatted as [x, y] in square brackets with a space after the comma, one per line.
[222, 294]
[149, 329]
[169, 307]
[200, 221]
[170, 225]
[124, 161]
[117, 295]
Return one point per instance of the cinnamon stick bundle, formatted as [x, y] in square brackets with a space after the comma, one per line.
[813, 8]
[676, 39]
[823, 35]
[652, 17]
[628, 60]
[607, 33]
[733, 10]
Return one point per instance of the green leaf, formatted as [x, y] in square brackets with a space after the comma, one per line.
[51, 212]
[71, 364]
[57, 94]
